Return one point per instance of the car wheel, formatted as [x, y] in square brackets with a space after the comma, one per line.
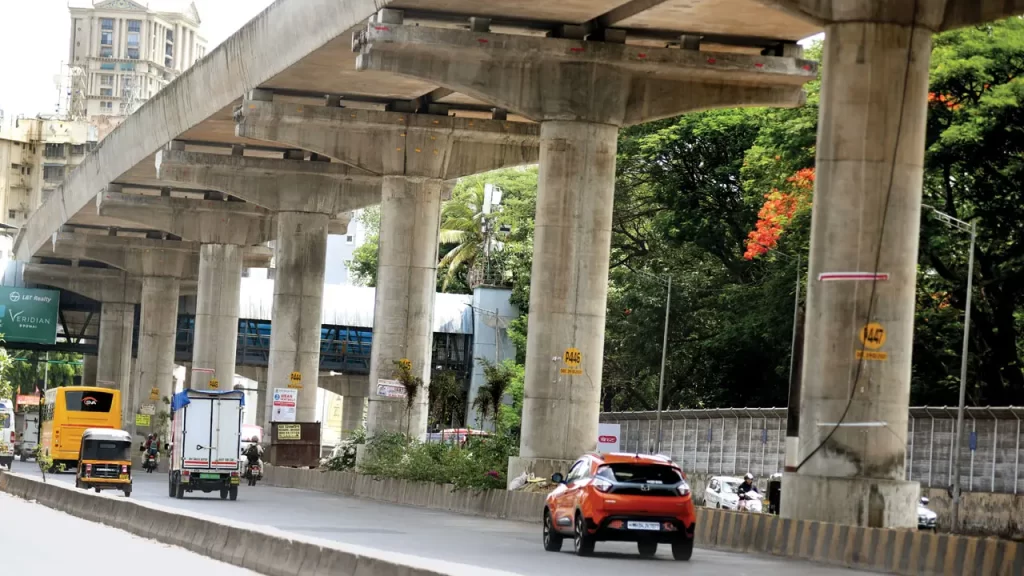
[647, 549]
[224, 494]
[179, 489]
[682, 549]
[552, 539]
[583, 543]
[233, 493]
[127, 492]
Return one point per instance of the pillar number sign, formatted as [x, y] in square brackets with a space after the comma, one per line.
[154, 393]
[872, 338]
[572, 358]
[214, 384]
[295, 380]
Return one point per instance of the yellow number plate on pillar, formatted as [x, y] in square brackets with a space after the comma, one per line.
[295, 380]
[572, 358]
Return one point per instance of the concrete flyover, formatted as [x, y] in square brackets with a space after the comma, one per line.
[415, 93]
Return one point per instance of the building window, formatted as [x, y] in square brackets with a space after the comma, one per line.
[54, 151]
[133, 39]
[106, 23]
[106, 66]
[109, 92]
[53, 173]
[106, 106]
[169, 50]
[128, 66]
[106, 38]
[106, 80]
[133, 53]
[106, 52]
[11, 214]
[134, 26]
[170, 35]
[77, 149]
[167, 62]
[349, 239]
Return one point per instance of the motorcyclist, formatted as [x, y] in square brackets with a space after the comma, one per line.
[254, 453]
[747, 486]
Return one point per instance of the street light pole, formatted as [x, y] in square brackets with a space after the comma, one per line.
[664, 352]
[958, 442]
[963, 384]
[796, 314]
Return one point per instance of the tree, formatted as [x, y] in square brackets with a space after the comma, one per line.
[364, 258]
[497, 379]
[27, 368]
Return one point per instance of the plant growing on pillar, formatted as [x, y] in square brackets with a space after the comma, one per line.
[411, 383]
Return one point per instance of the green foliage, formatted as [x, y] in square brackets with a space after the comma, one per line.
[510, 418]
[24, 374]
[343, 457]
[497, 379]
[447, 402]
[364, 258]
[44, 461]
[481, 463]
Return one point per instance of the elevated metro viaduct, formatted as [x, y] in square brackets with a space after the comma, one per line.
[403, 96]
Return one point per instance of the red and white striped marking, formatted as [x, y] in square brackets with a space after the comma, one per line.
[852, 276]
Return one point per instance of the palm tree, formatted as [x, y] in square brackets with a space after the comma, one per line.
[462, 226]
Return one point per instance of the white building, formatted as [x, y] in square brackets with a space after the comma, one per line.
[123, 52]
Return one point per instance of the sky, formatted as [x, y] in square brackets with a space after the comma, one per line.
[34, 37]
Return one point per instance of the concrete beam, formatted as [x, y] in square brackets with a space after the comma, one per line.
[576, 80]
[204, 221]
[276, 185]
[99, 284]
[960, 13]
[393, 143]
[934, 15]
[346, 385]
[270, 45]
[143, 256]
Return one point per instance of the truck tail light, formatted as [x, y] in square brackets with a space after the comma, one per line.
[124, 468]
[88, 469]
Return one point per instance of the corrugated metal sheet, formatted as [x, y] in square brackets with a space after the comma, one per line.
[353, 306]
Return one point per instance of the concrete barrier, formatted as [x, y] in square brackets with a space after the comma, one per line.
[903, 552]
[261, 549]
[502, 504]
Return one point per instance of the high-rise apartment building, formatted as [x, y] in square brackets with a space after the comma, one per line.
[124, 52]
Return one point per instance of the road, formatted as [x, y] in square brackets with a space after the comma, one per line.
[31, 534]
[498, 544]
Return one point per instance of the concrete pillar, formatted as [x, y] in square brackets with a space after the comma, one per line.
[114, 366]
[568, 293]
[855, 474]
[157, 331]
[300, 253]
[89, 370]
[403, 314]
[352, 410]
[216, 331]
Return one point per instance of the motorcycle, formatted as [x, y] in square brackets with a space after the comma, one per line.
[252, 473]
[751, 502]
[149, 462]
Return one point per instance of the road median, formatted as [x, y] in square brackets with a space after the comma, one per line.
[261, 549]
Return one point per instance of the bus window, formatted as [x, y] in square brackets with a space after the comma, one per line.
[88, 401]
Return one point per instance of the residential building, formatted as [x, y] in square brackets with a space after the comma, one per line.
[340, 250]
[36, 154]
[124, 52]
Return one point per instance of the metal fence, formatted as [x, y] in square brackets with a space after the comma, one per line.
[736, 441]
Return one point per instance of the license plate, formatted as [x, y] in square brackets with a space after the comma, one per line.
[210, 476]
[124, 476]
[653, 526]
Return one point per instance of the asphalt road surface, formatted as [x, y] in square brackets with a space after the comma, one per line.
[498, 544]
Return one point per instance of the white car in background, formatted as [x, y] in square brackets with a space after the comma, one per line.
[721, 492]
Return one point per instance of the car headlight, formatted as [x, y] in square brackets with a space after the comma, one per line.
[683, 488]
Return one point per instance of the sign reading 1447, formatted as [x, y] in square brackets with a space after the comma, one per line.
[29, 315]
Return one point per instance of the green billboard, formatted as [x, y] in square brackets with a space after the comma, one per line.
[29, 315]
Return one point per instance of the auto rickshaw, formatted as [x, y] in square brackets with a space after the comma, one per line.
[105, 461]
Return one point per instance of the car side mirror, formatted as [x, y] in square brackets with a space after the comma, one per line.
[557, 478]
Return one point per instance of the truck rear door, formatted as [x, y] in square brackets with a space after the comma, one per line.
[197, 439]
[227, 425]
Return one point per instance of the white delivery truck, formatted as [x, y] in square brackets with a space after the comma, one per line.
[7, 433]
[28, 435]
[206, 428]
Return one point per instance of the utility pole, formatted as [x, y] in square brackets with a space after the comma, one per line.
[664, 352]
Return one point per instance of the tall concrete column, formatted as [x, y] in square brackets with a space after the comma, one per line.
[114, 367]
[157, 331]
[403, 314]
[568, 293]
[854, 474]
[216, 329]
[300, 253]
[89, 370]
[352, 409]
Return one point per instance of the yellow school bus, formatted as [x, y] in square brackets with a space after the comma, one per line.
[68, 412]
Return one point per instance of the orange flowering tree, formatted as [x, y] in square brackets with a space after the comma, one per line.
[778, 211]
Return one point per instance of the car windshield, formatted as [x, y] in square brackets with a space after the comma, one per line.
[106, 450]
[730, 487]
[640, 473]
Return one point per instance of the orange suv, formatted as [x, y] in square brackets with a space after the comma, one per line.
[621, 498]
